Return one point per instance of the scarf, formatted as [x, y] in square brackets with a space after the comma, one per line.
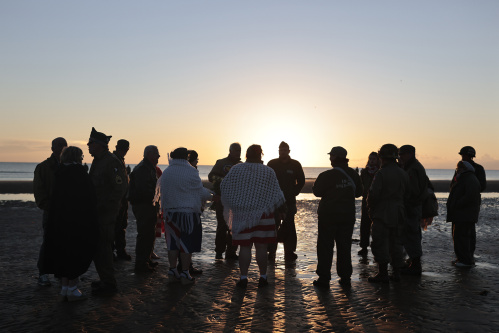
[181, 190]
[248, 191]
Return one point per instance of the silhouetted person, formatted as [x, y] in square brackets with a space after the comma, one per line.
[468, 153]
[122, 148]
[386, 204]
[337, 189]
[223, 238]
[418, 191]
[291, 179]
[143, 181]
[463, 207]
[367, 176]
[72, 230]
[110, 182]
[42, 189]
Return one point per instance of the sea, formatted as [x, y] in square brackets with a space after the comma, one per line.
[13, 171]
[24, 171]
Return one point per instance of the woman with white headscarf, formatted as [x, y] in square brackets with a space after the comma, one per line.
[182, 198]
[251, 196]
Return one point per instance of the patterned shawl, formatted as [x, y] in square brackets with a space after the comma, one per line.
[248, 191]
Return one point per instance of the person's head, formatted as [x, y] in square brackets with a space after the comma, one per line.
[388, 153]
[254, 154]
[406, 153]
[71, 154]
[151, 153]
[235, 151]
[122, 147]
[57, 145]
[180, 154]
[283, 150]
[193, 157]
[467, 153]
[338, 155]
[463, 166]
[373, 160]
[98, 142]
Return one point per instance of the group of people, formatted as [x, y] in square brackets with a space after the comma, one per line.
[398, 201]
[86, 214]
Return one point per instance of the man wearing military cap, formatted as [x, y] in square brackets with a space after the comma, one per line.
[412, 235]
[337, 189]
[110, 182]
[122, 148]
[467, 154]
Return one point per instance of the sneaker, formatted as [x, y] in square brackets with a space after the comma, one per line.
[321, 283]
[242, 283]
[43, 280]
[363, 252]
[62, 297]
[172, 277]
[262, 282]
[75, 295]
[186, 280]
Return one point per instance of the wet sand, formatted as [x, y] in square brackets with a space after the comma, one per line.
[26, 186]
[443, 299]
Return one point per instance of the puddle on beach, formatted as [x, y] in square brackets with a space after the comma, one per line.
[486, 265]
[17, 197]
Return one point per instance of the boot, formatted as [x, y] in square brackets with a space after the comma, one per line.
[382, 276]
[414, 269]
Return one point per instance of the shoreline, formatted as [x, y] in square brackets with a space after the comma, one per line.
[26, 186]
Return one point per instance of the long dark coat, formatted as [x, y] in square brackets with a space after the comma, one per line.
[463, 204]
[72, 230]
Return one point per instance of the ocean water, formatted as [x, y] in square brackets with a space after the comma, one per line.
[24, 171]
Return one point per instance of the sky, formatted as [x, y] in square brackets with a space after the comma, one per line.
[204, 74]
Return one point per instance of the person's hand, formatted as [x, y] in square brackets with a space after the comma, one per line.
[426, 222]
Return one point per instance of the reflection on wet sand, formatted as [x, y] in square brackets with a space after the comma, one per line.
[444, 298]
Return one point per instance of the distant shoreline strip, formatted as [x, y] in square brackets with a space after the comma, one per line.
[26, 186]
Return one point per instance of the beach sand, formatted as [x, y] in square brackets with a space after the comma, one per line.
[443, 299]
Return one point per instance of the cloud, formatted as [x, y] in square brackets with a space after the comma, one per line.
[488, 162]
